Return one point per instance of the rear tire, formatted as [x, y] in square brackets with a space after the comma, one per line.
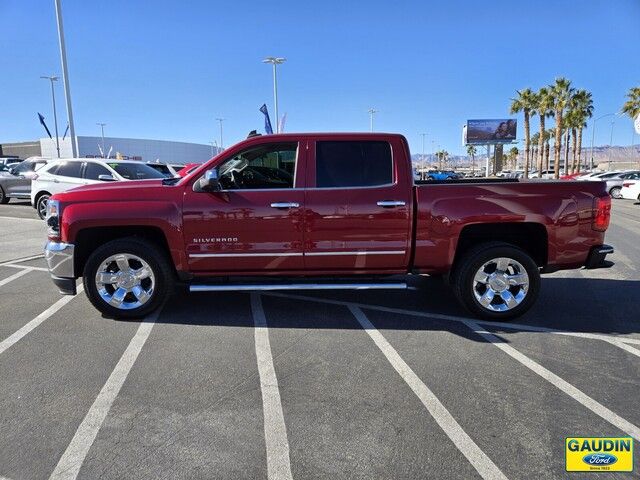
[128, 278]
[41, 205]
[615, 192]
[496, 281]
[3, 197]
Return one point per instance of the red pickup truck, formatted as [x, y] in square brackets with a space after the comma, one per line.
[321, 211]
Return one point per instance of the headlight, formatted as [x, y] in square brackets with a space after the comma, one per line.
[53, 218]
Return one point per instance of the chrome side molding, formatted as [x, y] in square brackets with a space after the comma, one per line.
[298, 286]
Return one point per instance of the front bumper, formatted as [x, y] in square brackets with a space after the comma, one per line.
[59, 257]
[597, 255]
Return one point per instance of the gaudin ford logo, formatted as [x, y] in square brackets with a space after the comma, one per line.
[214, 239]
[599, 454]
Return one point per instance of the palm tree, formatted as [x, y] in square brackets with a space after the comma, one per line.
[583, 108]
[525, 102]
[513, 155]
[544, 109]
[632, 106]
[548, 135]
[471, 151]
[561, 93]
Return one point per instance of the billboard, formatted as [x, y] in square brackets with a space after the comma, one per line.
[490, 132]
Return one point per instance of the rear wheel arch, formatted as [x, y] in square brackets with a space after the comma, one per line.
[530, 237]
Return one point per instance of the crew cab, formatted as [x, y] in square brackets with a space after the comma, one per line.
[321, 211]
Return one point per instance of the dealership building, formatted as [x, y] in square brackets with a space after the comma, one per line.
[127, 148]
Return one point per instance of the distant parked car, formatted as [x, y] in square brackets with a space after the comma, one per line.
[62, 175]
[442, 175]
[187, 169]
[167, 169]
[9, 162]
[630, 190]
[16, 181]
[614, 183]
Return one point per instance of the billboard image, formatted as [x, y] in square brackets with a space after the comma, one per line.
[490, 132]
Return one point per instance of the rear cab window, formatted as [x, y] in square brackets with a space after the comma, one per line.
[347, 163]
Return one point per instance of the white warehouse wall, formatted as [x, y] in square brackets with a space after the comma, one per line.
[149, 150]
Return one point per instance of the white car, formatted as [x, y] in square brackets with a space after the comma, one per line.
[62, 175]
[630, 190]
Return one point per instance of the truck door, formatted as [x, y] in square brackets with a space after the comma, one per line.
[254, 224]
[358, 205]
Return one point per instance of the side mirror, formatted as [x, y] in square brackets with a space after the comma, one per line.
[106, 178]
[12, 171]
[208, 182]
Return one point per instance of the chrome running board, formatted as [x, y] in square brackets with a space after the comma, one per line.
[298, 286]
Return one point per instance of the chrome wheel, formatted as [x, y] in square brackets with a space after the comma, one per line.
[500, 284]
[125, 281]
[616, 192]
[42, 206]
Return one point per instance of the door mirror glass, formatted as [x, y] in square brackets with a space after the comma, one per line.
[208, 182]
[106, 178]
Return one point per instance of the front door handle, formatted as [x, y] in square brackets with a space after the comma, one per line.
[285, 205]
[391, 203]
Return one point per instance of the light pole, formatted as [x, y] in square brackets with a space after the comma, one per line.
[221, 120]
[275, 61]
[593, 132]
[613, 122]
[102, 125]
[372, 112]
[52, 79]
[65, 80]
[423, 135]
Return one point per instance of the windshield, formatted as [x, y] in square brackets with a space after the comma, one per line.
[135, 171]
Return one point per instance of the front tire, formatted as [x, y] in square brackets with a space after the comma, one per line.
[496, 281]
[128, 278]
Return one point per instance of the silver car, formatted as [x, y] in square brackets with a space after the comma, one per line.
[16, 182]
[614, 182]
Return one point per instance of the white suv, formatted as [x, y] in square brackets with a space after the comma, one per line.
[62, 175]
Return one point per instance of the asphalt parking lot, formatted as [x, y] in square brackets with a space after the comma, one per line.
[398, 384]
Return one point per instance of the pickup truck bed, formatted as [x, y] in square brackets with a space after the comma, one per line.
[333, 211]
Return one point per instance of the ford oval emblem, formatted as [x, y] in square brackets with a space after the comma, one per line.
[599, 459]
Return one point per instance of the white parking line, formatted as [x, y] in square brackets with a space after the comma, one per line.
[275, 430]
[39, 269]
[71, 461]
[14, 276]
[579, 396]
[453, 318]
[463, 442]
[21, 219]
[24, 259]
[625, 347]
[15, 337]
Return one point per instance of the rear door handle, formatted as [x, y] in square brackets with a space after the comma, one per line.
[391, 203]
[285, 205]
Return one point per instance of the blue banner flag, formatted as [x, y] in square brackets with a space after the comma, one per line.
[44, 125]
[267, 120]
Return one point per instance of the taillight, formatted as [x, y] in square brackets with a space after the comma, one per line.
[35, 177]
[601, 213]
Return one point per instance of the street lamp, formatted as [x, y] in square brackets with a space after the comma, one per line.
[275, 61]
[52, 79]
[372, 112]
[102, 125]
[65, 80]
[593, 133]
[221, 120]
[423, 160]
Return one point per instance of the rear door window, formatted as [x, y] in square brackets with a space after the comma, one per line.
[70, 169]
[343, 164]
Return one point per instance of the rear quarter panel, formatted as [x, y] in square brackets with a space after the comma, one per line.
[564, 209]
